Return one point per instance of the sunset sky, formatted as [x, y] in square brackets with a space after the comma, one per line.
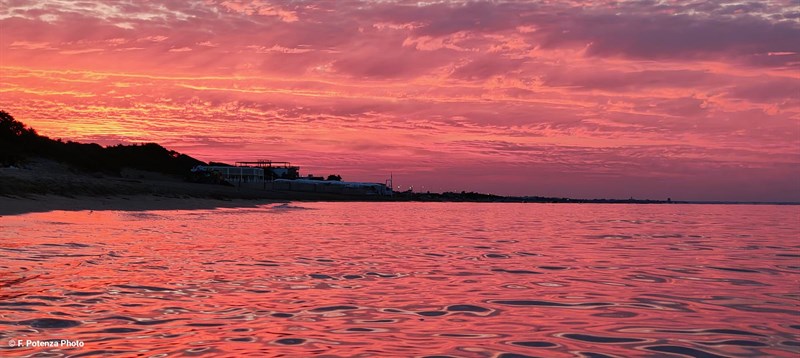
[645, 99]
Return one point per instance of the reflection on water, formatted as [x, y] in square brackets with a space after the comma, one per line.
[406, 279]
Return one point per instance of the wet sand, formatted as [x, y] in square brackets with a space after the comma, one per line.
[45, 203]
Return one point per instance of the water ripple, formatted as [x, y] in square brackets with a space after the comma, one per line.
[406, 279]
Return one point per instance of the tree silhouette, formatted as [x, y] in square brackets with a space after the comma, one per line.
[10, 127]
[15, 139]
[19, 143]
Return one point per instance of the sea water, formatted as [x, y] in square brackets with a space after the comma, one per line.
[404, 279]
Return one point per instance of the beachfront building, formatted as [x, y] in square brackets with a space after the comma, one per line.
[273, 170]
[285, 177]
[250, 172]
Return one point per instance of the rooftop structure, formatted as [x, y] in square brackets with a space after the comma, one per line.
[273, 170]
[265, 164]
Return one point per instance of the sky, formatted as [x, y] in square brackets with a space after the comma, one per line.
[691, 100]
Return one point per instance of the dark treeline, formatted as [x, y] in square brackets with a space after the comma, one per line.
[19, 143]
[491, 198]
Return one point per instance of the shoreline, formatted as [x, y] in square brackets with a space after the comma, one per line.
[37, 203]
[10, 206]
[45, 185]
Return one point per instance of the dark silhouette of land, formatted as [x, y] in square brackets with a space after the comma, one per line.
[37, 168]
[20, 143]
[491, 198]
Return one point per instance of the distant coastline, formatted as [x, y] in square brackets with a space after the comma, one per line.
[46, 185]
[39, 174]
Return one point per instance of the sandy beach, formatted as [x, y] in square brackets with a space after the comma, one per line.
[44, 185]
[44, 203]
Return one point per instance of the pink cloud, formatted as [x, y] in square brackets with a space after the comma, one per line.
[256, 7]
[688, 100]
